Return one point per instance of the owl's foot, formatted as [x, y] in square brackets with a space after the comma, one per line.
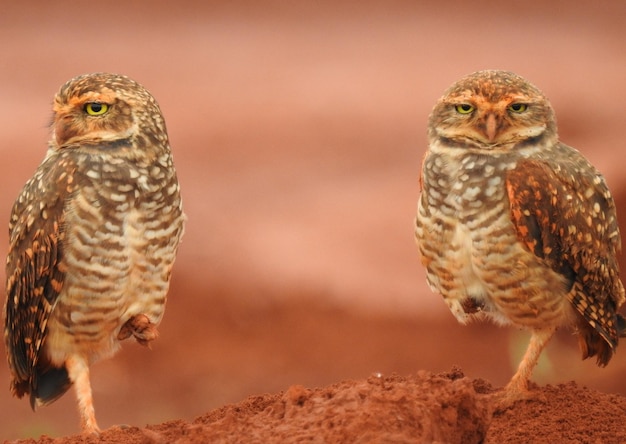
[141, 328]
[516, 391]
[90, 429]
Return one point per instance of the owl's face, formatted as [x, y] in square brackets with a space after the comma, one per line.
[491, 109]
[106, 110]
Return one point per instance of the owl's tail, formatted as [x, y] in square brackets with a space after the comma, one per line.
[49, 386]
[596, 341]
[621, 326]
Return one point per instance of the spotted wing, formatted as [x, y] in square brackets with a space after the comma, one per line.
[35, 271]
[565, 215]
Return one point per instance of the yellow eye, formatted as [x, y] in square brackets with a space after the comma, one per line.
[518, 107]
[96, 109]
[464, 108]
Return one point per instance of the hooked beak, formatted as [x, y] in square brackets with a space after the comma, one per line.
[491, 127]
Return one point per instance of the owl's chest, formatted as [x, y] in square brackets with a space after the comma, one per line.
[469, 244]
[462, 187]
[463, 212]
[118, 252]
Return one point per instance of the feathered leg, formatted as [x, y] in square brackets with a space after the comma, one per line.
[78, 371]
[517, 388]
[538, 341]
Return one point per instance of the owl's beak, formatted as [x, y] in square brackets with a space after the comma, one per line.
[491, 128]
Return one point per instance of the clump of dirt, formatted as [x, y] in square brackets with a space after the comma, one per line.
[422, 408]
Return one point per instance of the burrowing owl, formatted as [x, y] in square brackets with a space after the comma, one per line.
[92, 240]
[515, 226]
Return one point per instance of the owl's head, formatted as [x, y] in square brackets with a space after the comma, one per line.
[492, 109]
[103, 110]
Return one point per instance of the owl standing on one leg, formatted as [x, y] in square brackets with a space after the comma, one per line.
[92, 240]
[515, 226]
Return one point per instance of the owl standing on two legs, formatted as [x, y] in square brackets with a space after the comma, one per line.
[515, 226]
[92, 240]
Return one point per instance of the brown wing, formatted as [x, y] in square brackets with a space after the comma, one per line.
[35, 270]
[566, 216]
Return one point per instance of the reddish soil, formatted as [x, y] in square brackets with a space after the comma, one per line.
[297, 130]
[425, 408]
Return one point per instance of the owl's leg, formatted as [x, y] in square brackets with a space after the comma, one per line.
[141, 328]
[78, 371]
[538, 341]
[517, 388]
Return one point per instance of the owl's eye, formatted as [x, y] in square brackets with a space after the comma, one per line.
[96, 109]
[464, 108]
[518, 107]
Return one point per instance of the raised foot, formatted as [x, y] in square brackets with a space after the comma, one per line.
[141, 328]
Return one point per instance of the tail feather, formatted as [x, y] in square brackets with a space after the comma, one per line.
[621, 326]
[599, 326]
[49, 386]
[593, 344]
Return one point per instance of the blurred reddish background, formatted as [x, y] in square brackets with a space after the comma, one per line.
[298, 130]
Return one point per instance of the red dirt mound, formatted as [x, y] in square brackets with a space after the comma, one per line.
[424, 408]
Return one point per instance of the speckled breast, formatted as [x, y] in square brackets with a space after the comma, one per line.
[470, 248]
[122, 230]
